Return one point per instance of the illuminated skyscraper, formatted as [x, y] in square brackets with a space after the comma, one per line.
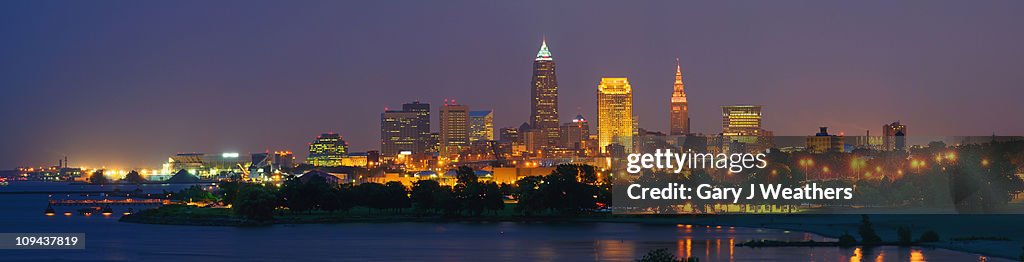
[481, 125]
[544, 99]
[421, 124]
[615, 113]
[679, 116]
[454, 128]
[327, 150]
[741, 125]
[741, 120]
[405, 130]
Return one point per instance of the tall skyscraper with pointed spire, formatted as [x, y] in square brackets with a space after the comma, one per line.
[679, 116]
[544, 99]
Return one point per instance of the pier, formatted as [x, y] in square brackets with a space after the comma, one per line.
[94, 202]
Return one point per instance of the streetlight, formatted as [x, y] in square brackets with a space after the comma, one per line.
[856, 164]
[806, 164]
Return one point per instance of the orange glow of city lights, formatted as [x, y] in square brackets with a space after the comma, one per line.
[806, 162]
[917, 256]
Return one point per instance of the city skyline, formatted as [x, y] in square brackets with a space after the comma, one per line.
[127, 109]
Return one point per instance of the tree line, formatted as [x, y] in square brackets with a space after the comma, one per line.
[569, 190]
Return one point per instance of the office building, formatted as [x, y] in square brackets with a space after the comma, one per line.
[544, 99]
[824, 142]
[510, 134]
[327, 150]
[481, 125]
[894, 136]
[679, 115]
[742, 125]
[741, 120]
[574, 135]
[615, 123]
[406, 130]
[454, 120]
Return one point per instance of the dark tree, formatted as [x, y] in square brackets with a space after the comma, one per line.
[255, 202]
[473, 196]
[345, 196]
[569, 190]
[372, 195]
[195, 194]
[98, 178]
[530, 197]
[397, 196]
[133, 177]
[425, 195]
[867, 232]
[312, 193]
[847, 240]
[493, 199]
[229, 191]
[292, 196]
[465, 175]
[904, 236]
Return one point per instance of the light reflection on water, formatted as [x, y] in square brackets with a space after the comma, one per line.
[107, 239]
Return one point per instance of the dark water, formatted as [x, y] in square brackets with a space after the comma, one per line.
[107, 239]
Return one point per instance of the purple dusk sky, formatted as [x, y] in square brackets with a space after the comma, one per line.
[126, 83]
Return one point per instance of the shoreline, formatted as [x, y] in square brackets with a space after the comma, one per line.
[830, 226]
[1009, 249]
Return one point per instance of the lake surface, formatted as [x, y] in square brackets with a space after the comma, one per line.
[107, 239]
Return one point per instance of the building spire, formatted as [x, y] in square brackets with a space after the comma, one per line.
[544, 54]
[678, 72]
[679, 115]
[677, 90]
